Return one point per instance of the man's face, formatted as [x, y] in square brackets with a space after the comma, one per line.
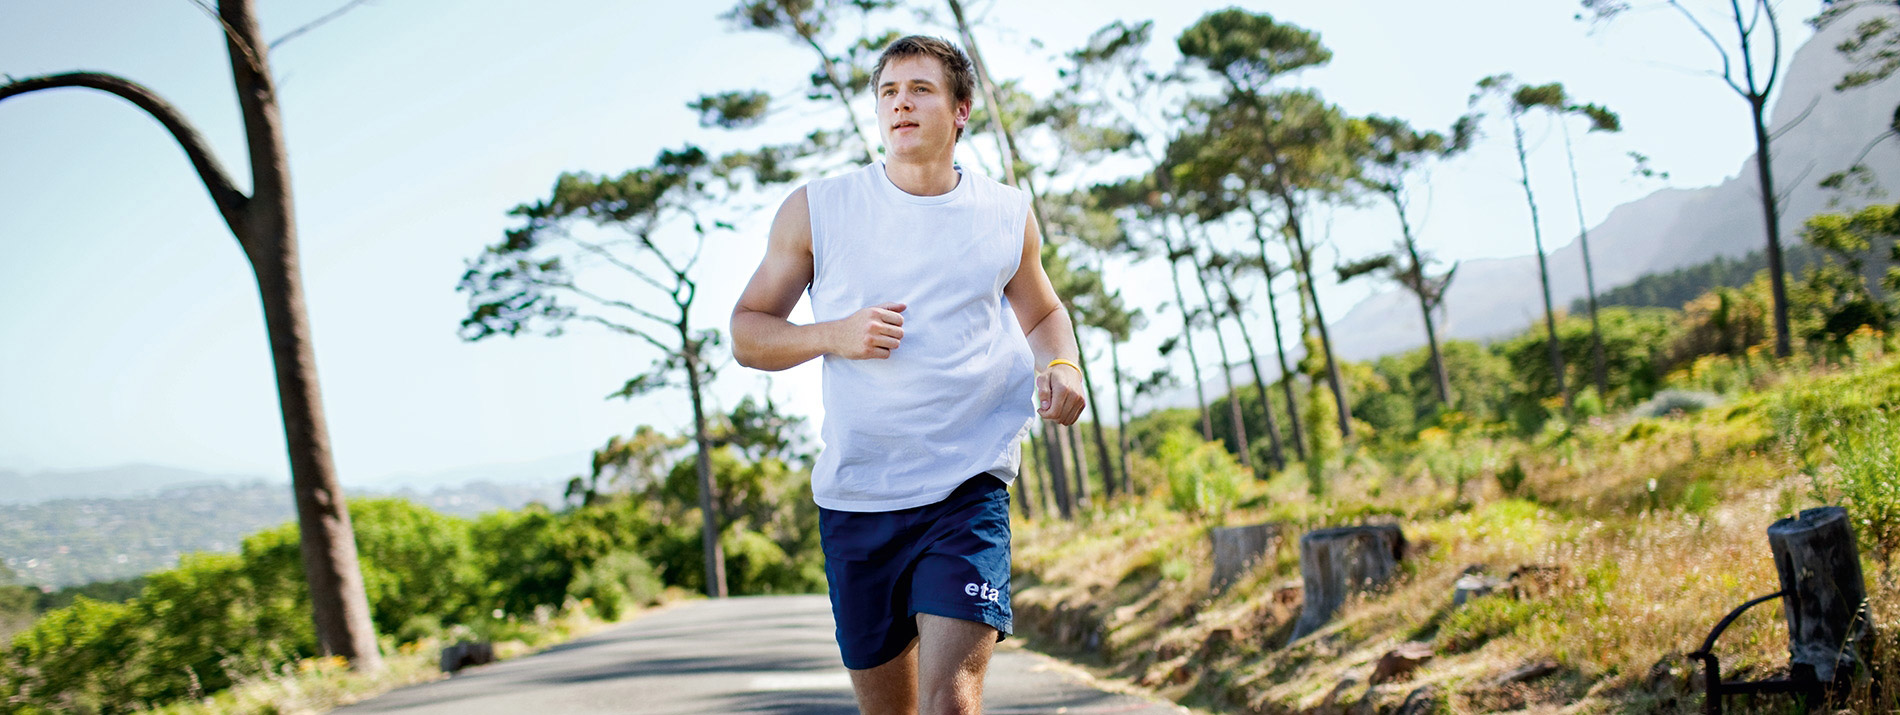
[917, 112]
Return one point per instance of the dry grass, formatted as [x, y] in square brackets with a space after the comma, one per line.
[1647, 532]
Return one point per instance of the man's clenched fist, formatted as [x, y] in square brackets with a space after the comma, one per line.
[870, 334]
[1059, 394]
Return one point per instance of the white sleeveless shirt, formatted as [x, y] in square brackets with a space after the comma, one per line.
[955, 398]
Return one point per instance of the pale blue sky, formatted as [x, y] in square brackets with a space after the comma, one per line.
[131, 332]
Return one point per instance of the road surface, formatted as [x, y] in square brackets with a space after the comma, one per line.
[770, 654]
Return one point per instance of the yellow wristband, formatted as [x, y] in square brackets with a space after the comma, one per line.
[1060, 361]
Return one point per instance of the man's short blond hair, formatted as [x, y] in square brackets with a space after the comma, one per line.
[957, 68]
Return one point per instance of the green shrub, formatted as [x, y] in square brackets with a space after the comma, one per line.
[1202, 477]
[616, 583]
[74, 659]
[1323, 441]
[1844, 438]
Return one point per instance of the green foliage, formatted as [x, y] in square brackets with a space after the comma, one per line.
[732, 110]
[415, 562]
[1634, 343]
[1674, 288]
[1323, 441]
[1511, 478]
[1844, 437]
[1862, 249]
[74, 659]
[1482, 619]
[1251, 49]
[618, 582]
[1202, 477]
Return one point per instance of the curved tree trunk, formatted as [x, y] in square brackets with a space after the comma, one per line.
[1279, 347]
[265, 227]
[1543, 269]
[1417, 283]
[1599, 367]
[1274, 451]
[1187, 339]
[1234, 416]
[1305, 256]
[715, 558]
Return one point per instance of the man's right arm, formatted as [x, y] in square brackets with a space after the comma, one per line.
[764, 339]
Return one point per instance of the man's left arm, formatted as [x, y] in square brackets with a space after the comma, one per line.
[1059, 394]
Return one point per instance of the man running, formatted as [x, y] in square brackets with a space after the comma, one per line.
[928, 382]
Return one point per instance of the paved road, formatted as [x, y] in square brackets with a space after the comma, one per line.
[740, 655]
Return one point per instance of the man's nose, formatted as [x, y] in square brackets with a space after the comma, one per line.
[903, 101]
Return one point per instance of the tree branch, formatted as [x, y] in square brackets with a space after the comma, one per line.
[806, 33]
[231, 203]
[231, 34]
[1728, 72]
[615, 261]
[1774, 31]
[628, 330]
[610, 302]
[314, 24]
[1776, 134]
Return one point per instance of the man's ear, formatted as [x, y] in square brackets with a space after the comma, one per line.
[963, 113]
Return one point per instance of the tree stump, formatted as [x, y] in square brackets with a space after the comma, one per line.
[1237, 549]
[1336, 563]
[1824, 596]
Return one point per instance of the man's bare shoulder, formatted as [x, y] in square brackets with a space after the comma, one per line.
[792, 225]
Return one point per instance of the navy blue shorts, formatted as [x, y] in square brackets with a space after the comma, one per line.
[947, 559]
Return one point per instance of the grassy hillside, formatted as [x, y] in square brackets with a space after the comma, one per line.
[1632, 535]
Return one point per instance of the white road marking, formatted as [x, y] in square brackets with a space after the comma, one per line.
[838, 680]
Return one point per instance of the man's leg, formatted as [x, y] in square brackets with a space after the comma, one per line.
[955, 655]
[889, 688]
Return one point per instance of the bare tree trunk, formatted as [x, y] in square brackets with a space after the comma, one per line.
[1187, 338]
[1441, 378]
[1121, 415]
[1543, 269]
[1305, 258]
[1234, 415]
[1042, 473]
[1274, 453]
[1771, 212]
[1058, 476]
[1095, 411]
[1279, 346]
[266, 229]
[1073, 438]
[1025, 492]
[1600, 367]
[715, 558]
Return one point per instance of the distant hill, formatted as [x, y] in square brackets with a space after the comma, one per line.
[1668, 229]
[67, 542]
[1673, 289]
[124, 480]
[135, 480]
